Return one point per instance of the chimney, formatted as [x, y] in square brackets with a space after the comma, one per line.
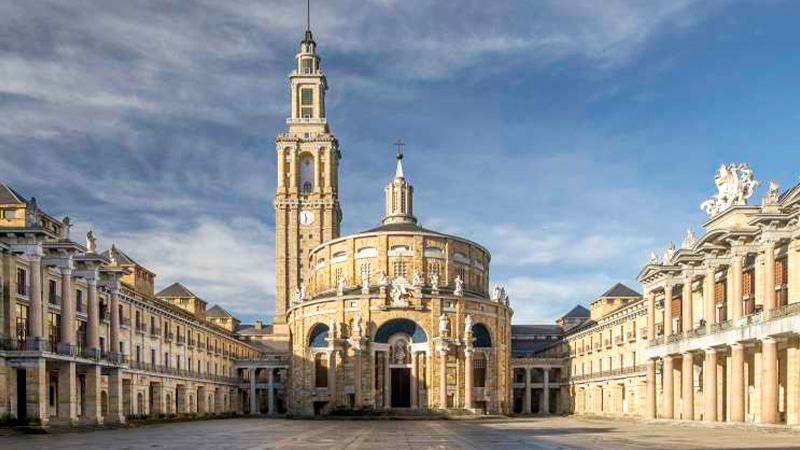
[259, 325]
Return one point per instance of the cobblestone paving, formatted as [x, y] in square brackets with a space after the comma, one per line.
[511, 434]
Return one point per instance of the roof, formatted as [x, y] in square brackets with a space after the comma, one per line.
[620, 290]
[122, 258]
[530, 346]
[9, 196]
[217, 311]
[578, 311]
[401, 227]
[250, 330]
[175, 290]
[530, 330]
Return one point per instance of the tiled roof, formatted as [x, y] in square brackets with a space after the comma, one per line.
[176, 290]
[530, 330]
[620, 290]
[9, 196]
[122, 258]
[217, 311]
[578, 311]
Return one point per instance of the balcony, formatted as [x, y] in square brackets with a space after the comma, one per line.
[201, 345]
[619, 340]
[598, 345]
[54, 299]
[643, 333]
[168, 337]
[306, 121]
[181, 340]
[191, 343]
[631, 336]
[155, 332]
[125, 322]
[608, 343]
[141, 328]
[105, 316]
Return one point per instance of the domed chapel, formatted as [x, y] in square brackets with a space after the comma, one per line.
[397, 316]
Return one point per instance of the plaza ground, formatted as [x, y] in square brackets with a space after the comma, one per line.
[501, 434]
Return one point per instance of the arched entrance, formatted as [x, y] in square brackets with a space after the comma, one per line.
[400, 349]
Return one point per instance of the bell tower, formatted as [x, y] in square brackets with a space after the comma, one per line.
[307, 211]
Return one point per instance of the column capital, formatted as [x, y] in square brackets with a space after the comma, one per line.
[769, 340]
[710, 350]
[738, 346]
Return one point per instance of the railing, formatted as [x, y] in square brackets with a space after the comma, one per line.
[141, 328]
[181, 339]
[155, 332]
[631, 336]
[80, 307]
[608, 343]
[632, 370]
[786, 310]
[54, 299]
[157, 368]
[619, 340]
[125, 322]
[106, 316]
[598, 345]
[643, 333]
[201, 345]
[168, 337]
[306, 120]
[191, 343]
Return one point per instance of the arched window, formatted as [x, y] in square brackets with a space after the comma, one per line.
[395, 326]
[306, 173]
[318, 338]
[482, 337]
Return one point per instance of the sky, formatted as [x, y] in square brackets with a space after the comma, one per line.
[568, 137]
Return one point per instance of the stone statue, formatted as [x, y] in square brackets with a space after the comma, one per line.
[341, 283]
[443, 324]
[459, 289]
[773, 195]
[357, 326]
[735, 184]
[418, 279]
[91, 243]
[364, 279]
[653, 258]
[67, 226]
[112, 255]
[31, 218]
[302, 292]
[399, 294]
[503, 295]
[296, 295]
[383, 280]
[496, 293]
[669, 253]
[435, 281]
[690, 240]
[468, 324]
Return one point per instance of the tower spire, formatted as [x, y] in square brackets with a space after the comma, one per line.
[309, 37]
[399, 194]
[398, 173]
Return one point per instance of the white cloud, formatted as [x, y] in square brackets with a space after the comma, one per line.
[230, 261]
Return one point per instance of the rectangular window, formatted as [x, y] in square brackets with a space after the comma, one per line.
[79, 306]
[52, 294]
[306, 96]
[22, 322]
[9, 214]
[479, 372]
[153, 356]
[22, 282]
[781, 282]
[53, 327]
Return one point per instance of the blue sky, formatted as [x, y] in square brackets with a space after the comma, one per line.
[569, 137]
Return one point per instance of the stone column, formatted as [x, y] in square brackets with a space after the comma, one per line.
[769, 380]
[710, 385]
[546, 392]
[293, 168]
[737, 383]
[669, 388]
[687, 320]
[468, 382]
[650, 400]
[667, 311]
[93, 324]
[687, 387]
[708, 297]
[202, 400]
[114, 333]
[67, 393]
[67, 308]
[115, 413]
[332, 399]
[357, 378]
[271, 393]
[769, 279]
[414, 384]
[443, 378]
[253, 392]
[387, 385]
[36, 322]
[651, 316]
[737, 262]
[93, 411]
[527, 402]
[281, 169]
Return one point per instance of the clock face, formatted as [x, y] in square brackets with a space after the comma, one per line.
[306, 217]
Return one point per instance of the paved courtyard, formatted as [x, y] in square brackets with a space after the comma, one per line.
[545, 433]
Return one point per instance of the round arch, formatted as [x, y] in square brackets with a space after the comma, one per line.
[407, 326]
[482, 336]
[318, 337]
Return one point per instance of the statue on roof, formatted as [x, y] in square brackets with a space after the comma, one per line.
[67, 226]
[690, 240]
[735, 184]
[91, 243]
[669, 253]
[31, 216]
[468, 324]
[773, 195]
[653, 258]
[112, 255]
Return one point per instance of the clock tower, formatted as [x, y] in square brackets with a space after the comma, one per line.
[307, 211]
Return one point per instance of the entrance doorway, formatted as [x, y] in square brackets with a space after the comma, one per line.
[401, 387]
[22, 395]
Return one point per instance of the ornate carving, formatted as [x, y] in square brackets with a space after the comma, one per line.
[91, 243]
[735, 184]
[435, 281]
[773, 195]
[365, 277]
[690, 240]
[444, 324]
[459, 289]
[419, 278]
[399, 292]
[31, 213]
[653, 259]
[383, 280]
[669, 253]
[499, 294]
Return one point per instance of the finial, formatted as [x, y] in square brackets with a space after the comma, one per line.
[308, 15]
[399, 144]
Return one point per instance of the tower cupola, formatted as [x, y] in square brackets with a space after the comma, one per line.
[399, 197]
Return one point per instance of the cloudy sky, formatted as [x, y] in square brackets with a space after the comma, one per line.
[569, 137]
